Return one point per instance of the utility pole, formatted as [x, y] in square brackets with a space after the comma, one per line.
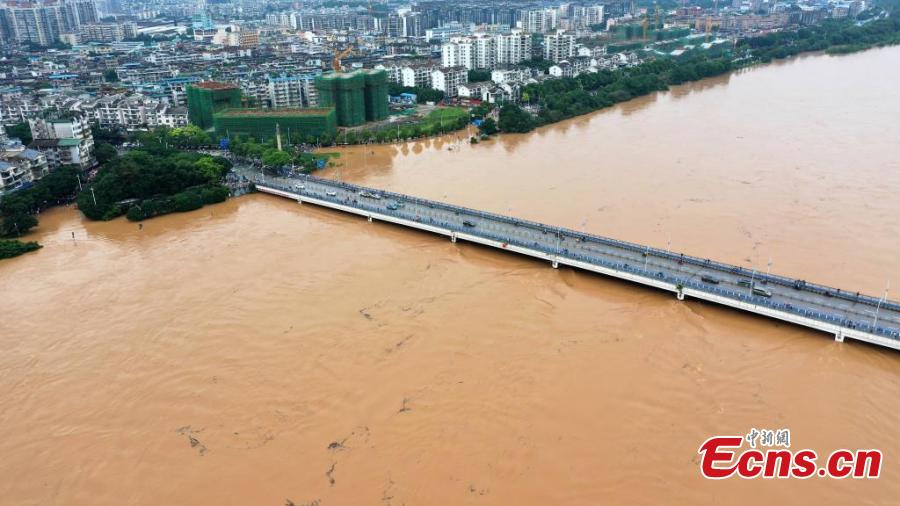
[881, 301]
[93, 196]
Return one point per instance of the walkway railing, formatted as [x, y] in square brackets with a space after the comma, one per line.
[625, 267]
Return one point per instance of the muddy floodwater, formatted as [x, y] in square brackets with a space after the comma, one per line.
[259, 352]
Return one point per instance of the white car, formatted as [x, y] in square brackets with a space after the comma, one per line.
[299, 187]
[331, 193]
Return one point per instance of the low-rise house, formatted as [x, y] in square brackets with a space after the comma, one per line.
[474, 90]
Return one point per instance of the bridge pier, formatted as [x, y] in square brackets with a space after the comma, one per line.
[815, 311]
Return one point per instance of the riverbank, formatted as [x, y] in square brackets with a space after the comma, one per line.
[554, 100]
[259, 330]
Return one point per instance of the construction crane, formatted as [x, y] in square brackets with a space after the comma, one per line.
[336, 61]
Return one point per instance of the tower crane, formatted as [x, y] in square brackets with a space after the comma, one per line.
[338, 55]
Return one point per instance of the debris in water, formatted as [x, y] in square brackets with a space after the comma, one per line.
[330, 475]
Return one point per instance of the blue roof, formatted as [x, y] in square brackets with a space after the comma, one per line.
[30, 154]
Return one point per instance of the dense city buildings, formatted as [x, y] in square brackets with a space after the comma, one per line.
[131, 66]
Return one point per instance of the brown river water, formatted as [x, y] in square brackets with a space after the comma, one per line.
[259, 352]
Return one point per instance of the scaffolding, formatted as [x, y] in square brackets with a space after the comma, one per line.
[376, 95]
[206, 98]
[263, 124]
[357, 97]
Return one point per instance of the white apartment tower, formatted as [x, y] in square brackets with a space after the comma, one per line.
[513, 48]
[540, 20]
[593, 15]
[559, 47]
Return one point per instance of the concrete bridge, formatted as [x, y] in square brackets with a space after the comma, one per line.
[842, 313]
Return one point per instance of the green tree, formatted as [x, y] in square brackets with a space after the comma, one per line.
[9, 249]
[514, 119]
[111, 76]
[104, 152]
[275, 158]
[190, 136]
[110, 136]
[210, 168]
[16, 211]
[20, 131]
[488, 127]
[479, 75]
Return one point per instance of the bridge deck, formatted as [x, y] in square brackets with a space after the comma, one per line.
[842, 313]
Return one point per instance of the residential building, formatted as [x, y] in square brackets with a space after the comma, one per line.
[592, 15]
[457, 52]
[484, 53]
[242, 38]
[513, 48]
[107, 32]
[562, 69]
[448, 79]
[134, 112]
[13, 176]
[509, 75]
[474, 91]
[292, 91]
[559, 47]
[446, 32]
[416, 75]
[64, 141]
[43, 23]
[539, 20]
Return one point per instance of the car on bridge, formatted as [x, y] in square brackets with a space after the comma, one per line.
[761, 292]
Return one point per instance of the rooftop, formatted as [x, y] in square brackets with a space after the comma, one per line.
[212, 85]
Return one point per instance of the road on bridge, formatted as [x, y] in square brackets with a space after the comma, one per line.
[837, 307]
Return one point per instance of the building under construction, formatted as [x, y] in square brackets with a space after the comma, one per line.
[357, 97]
[263, 124]
[206, 98]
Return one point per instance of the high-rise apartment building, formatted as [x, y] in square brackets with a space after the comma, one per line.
[32, 24]
[513, 48]
[559, 47]
[42, 23]
[539, 20]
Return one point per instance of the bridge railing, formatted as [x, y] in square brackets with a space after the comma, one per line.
[832, 318]
[637, 248]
